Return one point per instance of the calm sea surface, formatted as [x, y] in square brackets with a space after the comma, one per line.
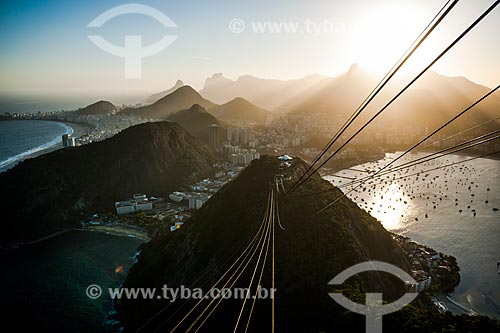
[45, 283]
[22, 138]
[450, 210]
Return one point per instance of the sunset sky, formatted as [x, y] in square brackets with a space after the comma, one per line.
[45, 48]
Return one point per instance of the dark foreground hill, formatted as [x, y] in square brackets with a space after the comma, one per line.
[308, 254]
[55, 191]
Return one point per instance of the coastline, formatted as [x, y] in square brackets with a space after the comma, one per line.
[80, 259]
[460, 153]
[22, 244]
[336, 166]
[446, 293]
[119, 231]
[78, 129]
[347, 164]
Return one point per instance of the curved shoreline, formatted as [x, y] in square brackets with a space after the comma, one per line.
[76, 129]
[21, 244]
[118, 231]
[449, 290]
[9, 162]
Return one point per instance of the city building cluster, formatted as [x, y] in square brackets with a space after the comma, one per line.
[138, 202]
[233, 144]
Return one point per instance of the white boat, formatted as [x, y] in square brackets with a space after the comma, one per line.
[441, 307]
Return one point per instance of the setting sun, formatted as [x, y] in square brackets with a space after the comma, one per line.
[209, 166]
[380, 37]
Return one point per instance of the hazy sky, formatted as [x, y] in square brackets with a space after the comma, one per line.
[45, 48]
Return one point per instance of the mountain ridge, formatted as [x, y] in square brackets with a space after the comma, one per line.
[97, 108]
[155, 97]
[264, 93]
[242, 110]
[57, 190]
[181, 99]
[195, 121]
[309, 252]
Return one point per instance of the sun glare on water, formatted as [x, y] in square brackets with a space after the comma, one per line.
[385, 202]
[388, 206]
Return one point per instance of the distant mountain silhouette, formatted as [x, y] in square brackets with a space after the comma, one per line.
[338, 95]
[443, 97]
[431, 101]
[241, 110]
[265, 93]
[57, 190]
[217, 81]
[181, 99]
[155, 97]
[195, 120]
[101, 107]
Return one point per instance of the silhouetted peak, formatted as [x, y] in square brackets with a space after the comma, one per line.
[216, 79]
[155, 97]
[185, 90]
[197, 108]
[239, 100]
[245, 77]
[100, 107]
[354, 69]
[217, 76]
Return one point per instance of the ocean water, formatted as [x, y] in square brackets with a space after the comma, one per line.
[21, 138]
[450, 210]
[45, 283]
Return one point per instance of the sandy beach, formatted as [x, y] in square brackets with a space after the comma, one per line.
[78, 130]
[119, 231]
